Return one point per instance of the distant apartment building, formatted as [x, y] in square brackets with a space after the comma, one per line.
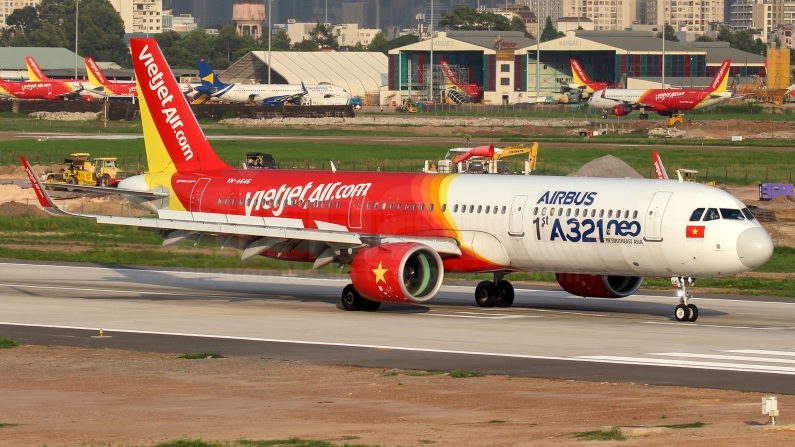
[8, 6]
[764, 18]
[692, 17]
[140, 16]
[183, 23]
[606, 15]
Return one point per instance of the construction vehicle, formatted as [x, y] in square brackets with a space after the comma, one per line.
[689, 175]
[259, 160]
[483, 160]
[407, 107]
[81, 170]
[676, 118]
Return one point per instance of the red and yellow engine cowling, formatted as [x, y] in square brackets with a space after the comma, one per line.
[622, 109]
[599, 286]
[397, 272]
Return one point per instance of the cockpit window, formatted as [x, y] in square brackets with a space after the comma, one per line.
[712, 214]
[731, 214]
[696, 216]
[748, 214]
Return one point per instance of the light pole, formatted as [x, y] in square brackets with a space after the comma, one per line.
[270, 36]
[430, 78]
[326, 12]
[77, 13]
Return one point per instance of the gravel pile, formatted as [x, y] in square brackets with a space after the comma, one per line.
[607, 166]
[404, 121]
[671, 132]
[66, 116]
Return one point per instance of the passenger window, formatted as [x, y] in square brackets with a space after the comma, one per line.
[226, 201]
[568, 212]
[696, 216]
[391, 205]
[233, 202]
[635, 214]
[488, 208]
[430, 207]
[422, 207]
[712, 214]
[503, 210]
[383, 206]
[560, 211]
[618, 214]
[444, 207]
[609, 214]
[544, 211]
[414, 208]
[576, 212]
[397, 206]
[463, 208]
[552, 211]
[480, 208]
[535, 211]
[495, 210]
[220, 200]
[338, 203]
[368, 206]
[626, 214]
[455, 209]
[593, 212]
[375, 207]
[471, 209]
[748, 214]
[601, 213]
[731, 214]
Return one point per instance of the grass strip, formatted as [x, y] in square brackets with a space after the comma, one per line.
[613, 434]
[461, 374]
[7, 343]
[681, 426]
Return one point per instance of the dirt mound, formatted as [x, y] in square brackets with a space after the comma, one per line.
[9, 172]
[16, 208]
[66, 116]
[607, 166]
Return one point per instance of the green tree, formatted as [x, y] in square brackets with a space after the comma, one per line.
[378, 41]
[549, 32]
[306, 45]
[743, 40]
[517, 24]
[397, 42]
[704, 38]
[47, 35]
[281, 41]
[226, 43]
[24, 18]
[670, 34]
[467, 18]
[196, 43]
[323, 36]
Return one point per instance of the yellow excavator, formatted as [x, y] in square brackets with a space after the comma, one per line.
[484, 160]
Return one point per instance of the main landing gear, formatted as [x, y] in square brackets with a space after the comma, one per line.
[644, 116]
[351, 300]
[497, 293]
[684, 311]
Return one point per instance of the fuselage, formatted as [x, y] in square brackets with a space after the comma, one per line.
[37, 90]
[318, 94]
[657, 100]
[514, 223]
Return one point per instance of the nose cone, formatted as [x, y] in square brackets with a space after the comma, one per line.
[754, 247]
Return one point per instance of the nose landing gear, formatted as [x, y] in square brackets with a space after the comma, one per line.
[684, 311]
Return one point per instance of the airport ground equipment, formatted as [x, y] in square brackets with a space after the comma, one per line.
[483, 160]
[676, 118]
[81, 170]
[259, 160]
[769, 191]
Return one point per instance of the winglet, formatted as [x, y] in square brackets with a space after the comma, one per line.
[303, 87]
[659, 169]
[44, 199]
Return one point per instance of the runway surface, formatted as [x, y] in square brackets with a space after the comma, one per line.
[742, 343]
[452, 141]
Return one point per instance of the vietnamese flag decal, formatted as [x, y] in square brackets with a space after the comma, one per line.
[694, 231]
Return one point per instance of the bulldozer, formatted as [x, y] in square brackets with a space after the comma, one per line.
[81, 170]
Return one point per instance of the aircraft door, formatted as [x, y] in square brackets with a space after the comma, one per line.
[653, 228]
[355, 212]
[515, 225]
[197, 193]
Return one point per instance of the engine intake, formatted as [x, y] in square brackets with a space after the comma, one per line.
[397, 272]
[599, 286]
[622, 109]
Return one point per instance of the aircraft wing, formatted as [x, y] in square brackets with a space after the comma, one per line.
[107, 190]
[256, 231]
[288, 98]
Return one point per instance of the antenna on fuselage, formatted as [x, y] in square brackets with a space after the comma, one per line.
[333, 168]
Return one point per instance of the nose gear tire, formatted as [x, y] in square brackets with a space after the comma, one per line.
[682, 313]
[693, 312]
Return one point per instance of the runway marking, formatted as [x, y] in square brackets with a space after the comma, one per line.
[594, 359]
[721, 326]
[140, 292]
[723, 357]
[762, 352]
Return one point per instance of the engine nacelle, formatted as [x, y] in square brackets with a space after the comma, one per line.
[397, 272]
[622, 109]
[599, 286]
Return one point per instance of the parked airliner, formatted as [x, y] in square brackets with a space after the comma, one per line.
[268, 94]
[399, 233]
[665, 102]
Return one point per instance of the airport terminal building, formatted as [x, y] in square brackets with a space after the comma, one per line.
[509, 68]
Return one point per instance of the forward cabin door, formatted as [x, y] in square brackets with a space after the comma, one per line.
[515, 226]
[654, 215]
[197, 193]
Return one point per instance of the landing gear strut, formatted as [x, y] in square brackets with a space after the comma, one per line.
[497, 293]
[684, 311]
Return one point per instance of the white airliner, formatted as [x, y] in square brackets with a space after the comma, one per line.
[325, 94]
[400, 232]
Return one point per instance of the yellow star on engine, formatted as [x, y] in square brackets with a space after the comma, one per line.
[379, 274]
